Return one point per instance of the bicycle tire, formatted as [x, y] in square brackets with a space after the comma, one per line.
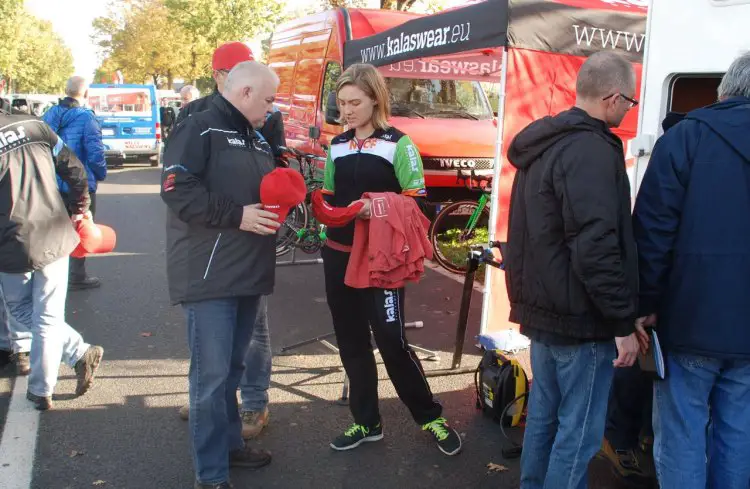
[449, 248]
[286, 238]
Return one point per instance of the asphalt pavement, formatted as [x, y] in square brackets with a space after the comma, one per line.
[125, 433]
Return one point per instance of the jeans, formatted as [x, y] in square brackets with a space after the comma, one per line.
[566, 414]
[219, 333]
[630, 406]
[4, 324]
[695, 388]
[354, 313]
[257, 377]
[36, 302]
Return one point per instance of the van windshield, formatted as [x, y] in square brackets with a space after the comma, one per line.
[445, 99]
[120, 102]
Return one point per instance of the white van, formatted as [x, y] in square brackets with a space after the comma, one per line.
[690, 44]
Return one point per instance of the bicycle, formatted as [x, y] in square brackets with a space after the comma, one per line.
[300, 229]
[461, 225]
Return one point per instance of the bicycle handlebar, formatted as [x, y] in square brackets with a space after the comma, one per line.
[299, 154]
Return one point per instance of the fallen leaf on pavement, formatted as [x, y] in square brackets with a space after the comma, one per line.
[76, 453]
[496, 468]
[146, 334]
[98, 483]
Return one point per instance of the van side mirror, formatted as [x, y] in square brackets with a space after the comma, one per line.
[313, 133]
[332, 110]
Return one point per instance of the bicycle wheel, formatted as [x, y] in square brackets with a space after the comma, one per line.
[287, 235]
[450, 237]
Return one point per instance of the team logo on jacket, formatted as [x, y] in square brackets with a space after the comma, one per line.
[9, 137]
[390, 306]
[236, 142]
[379, 207]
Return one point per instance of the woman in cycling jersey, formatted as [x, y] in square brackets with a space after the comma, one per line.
[372, 156]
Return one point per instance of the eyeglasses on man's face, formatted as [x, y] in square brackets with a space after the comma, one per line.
[633, 102]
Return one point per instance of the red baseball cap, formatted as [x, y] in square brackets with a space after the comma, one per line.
[94, 238]
[333, 217]
[281, 190]
[229, 55]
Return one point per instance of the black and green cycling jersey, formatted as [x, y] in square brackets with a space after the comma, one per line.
[387, 161]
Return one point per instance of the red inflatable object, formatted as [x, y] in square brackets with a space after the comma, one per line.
[94, 238]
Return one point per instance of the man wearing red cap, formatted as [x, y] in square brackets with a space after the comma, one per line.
[226, 57]
[221, 259]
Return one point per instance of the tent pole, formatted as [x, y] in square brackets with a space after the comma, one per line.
[497, 171]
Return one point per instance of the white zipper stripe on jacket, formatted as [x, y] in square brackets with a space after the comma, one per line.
[210, 258]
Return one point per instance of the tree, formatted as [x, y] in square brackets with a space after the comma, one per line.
[142, 42]
[9, 33]
[397, 4]
[209, 23]
[44, 61]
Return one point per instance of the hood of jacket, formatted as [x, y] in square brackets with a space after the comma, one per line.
[730, 121]
[540, 135]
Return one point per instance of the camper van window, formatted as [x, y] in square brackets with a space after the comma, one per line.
[448, 99]
[690, 91]
[333, 72]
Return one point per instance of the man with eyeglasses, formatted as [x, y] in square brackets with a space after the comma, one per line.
[572, 271]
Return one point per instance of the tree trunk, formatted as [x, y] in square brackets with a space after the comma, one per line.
[170, 80]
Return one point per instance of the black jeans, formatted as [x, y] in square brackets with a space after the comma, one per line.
[629, 411]
[77, 271]
[355, 312]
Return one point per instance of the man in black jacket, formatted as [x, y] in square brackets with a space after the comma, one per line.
[571, 270]
[36, 239]
[221, 258]
[226, 57]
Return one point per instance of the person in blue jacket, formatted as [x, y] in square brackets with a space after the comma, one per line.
[80, 130]
[692, 227]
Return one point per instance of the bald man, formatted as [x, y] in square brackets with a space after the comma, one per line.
[188, 93]
[80, 130]
[221, 258]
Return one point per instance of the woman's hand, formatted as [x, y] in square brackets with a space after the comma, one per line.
[363, 213]
[259, 221]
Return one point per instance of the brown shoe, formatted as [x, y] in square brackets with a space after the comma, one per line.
[23, 364]
[625, 464]
[86, 368]
[253, 423]
[249, 458]
[184, 412]
[40, 403]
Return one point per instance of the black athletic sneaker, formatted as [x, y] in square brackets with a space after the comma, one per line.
[448, 440]
[357, 435]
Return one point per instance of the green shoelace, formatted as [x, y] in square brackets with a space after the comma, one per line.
[355, 428]
[437, 427]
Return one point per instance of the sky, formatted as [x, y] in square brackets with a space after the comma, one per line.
[71, 19]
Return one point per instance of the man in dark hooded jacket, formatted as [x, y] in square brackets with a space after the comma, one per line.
[693, 233]
[571, 270]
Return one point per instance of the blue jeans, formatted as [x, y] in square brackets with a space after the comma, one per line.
[257, 377]
[567, 413]
[219, 333]
[695, 389]
[36, 302]
[4, 323]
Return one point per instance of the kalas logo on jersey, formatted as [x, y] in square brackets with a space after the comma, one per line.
[9, 137]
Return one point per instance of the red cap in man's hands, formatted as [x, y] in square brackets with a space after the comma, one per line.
[281, 190]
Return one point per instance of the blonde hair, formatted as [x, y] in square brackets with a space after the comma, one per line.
[368, 79]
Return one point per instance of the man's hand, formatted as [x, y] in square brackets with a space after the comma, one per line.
[628, 348]
[640, 324]
[259, 221]
[79, 217]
